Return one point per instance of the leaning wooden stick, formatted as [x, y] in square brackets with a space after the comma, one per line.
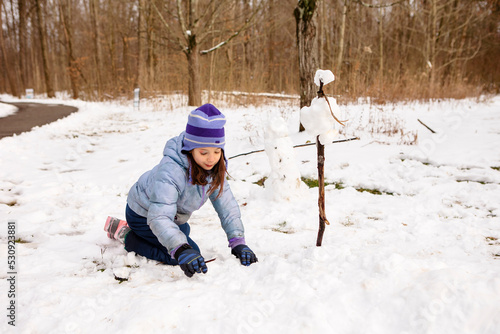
[321, 186]
[321, 174]
[428, 128]
[321, 181]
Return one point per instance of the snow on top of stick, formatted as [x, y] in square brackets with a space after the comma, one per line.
[325, 76]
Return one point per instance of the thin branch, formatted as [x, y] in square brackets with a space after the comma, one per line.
[379, 6]
[221, 44]
[170, 32]
[182, 22]
[242, 28]
[462, 58]
[321, 94]
[299, 145]
[211, 14]
[428, 128]
[333, 142]
[207, 29]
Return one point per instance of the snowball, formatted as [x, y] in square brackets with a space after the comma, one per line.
[325, 76]
[317, 119]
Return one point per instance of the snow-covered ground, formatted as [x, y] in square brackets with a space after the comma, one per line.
[413, 245]
[7, 110]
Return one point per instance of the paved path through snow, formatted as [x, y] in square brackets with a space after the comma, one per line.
[30, 115]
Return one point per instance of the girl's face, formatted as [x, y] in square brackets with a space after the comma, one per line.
[207, 157]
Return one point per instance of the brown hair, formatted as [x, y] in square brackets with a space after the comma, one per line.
[200, 176]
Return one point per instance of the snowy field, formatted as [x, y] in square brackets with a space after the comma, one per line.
[413, 245]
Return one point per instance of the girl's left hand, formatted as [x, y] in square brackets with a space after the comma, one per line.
[245, 254]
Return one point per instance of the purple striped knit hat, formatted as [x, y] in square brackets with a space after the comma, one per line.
[205, 128]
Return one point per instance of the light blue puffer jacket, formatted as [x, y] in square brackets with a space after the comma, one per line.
[166, 197]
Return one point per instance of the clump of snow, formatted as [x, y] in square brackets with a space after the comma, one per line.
[284, 181]
[325, 76]
[318, 120]
[7, 110]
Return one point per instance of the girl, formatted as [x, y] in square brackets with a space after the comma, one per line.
[159, 204]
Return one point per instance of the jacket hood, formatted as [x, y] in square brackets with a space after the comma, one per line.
[173, 150]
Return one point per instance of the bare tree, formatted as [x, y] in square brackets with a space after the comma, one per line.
[151, 58]
[140, 18]
[72, 67]
[271, 44]
[8, 72]
[93, 9]
[341, 38]
[21, 8]
[195, 24]
[43, 41]
[307, 45]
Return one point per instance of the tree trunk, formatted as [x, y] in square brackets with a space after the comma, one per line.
[307, 44]
[43, 42]
[138, 74]
[150, 46]
[340, 55]
[433, 43]
[321, 44]
[22, 42]
[381, 52]
[247, 51]
[112, 57]
[72, 67]
[125, 56]
[193, 58]
[271, 42]
[194, 87]
[33, 55]
[10, 77]
[95, 38]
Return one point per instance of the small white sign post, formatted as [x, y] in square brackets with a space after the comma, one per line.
[136, 98]
[29, 93]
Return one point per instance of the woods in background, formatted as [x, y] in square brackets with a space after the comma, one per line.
[101, 49]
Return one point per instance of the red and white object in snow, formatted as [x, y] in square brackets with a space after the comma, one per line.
[318, 119]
